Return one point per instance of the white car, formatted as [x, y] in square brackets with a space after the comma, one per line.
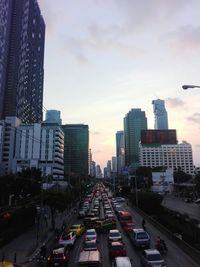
[67, 239]
[90, 235]
[114, 235]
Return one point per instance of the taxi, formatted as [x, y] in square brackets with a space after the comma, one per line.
[77, 229]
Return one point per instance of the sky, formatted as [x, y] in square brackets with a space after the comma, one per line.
[105, 57]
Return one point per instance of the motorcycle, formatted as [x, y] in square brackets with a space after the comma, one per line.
[162, 247]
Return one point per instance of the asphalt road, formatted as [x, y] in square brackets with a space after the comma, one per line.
[174, 258]
[177, 204]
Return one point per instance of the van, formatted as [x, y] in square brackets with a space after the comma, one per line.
[89, 259]
[122, 262]
[125, 217]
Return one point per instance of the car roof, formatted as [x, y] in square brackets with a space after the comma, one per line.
[114, 231]
[91, 230]
[139, 230]
[123, 261]
[151, 251]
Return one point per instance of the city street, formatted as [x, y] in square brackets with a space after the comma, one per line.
[177, 204]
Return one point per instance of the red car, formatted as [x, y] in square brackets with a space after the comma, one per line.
[117, 249]
[128, 227]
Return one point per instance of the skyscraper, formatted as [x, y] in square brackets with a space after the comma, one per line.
[53, 115]
[134, 121]
[76, 148]
[160, 113]
[120, 154]
[22, 34]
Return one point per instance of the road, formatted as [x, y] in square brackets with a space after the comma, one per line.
[177, 204]
[174, 258]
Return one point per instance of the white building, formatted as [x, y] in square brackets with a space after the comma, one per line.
[40, 145]
[170, 156]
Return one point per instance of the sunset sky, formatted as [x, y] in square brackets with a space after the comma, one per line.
[104, 57]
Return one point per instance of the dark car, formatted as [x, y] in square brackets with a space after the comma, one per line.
[59, 256]
[117, 249]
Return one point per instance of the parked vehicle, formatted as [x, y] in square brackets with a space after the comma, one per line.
[140, 238]
[152, 257]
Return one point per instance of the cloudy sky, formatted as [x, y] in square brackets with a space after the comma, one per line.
[104, 57]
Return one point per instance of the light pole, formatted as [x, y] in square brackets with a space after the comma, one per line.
[185, 87]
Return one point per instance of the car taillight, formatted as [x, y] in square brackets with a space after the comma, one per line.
[64, 258]
[49, 258]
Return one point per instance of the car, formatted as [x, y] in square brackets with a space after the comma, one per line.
[90, 245]
[122, 262]
[89, 258]
[197, 201]
[152, 257]
[110, 216]
[128, 227]
[117, 249]
[77, 229]
[120, 199]
[90, 235]
[67, 239]
[114, 235]
[81, 214]
[59, 256]
[140, 238]
[104, 225]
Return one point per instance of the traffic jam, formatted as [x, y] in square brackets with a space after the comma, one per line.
[97, 236]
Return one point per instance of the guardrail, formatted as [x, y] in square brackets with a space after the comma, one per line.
[191, 251]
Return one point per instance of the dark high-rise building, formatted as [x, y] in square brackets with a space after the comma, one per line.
[134, 122]
[22, 34]
[76, 148]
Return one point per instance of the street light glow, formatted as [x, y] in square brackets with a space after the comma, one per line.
[185, 87]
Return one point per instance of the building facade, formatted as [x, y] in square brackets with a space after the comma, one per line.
[134, 121]
[160, 114]
[53, 116]
[22, 31]
[8, 131]
[120, 151]
[41, 146]
[170, 156]
[76, 154]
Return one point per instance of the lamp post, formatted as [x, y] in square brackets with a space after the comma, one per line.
[185, 87]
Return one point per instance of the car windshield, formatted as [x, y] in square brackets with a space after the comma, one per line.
[142, 235]
[154, 257]
[114, 234]
[118, 247]
[74, 227]
[91, 233]
[90, 246]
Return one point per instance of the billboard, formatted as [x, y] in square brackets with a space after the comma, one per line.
[162, 137]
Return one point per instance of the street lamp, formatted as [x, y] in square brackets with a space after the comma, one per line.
[185, 87]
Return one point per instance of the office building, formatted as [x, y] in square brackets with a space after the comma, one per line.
[76, 155]
[134, 121]
[160, 114]
[41, 146]
[99, 172]
[120, 153]
[53, 116]
[22, 34]
[8, 130]
[173, 156]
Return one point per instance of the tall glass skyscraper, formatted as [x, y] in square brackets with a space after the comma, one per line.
[120, 153]
[76, 149]
[160, 113]
[22, 33]
[134, 121]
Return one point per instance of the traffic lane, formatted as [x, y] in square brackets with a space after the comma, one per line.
[176, 204]
[175, 256]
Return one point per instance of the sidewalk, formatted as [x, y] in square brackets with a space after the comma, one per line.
[23, 248]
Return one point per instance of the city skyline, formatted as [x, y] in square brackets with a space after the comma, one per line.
[116, 56]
